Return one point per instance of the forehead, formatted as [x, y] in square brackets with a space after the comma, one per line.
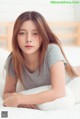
[28, 25]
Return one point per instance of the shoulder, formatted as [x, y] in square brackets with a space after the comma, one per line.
[9, 66]
[8, 60]
[53, 48]
[54, 54]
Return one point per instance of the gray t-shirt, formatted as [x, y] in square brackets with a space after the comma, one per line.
[53, 55]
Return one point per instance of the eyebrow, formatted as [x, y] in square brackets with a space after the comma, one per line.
[25, 30]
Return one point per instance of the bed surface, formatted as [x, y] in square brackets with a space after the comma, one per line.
[24, 113]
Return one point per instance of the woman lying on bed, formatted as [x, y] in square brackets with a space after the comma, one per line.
[37, 59]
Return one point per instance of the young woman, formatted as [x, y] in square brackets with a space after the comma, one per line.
[37, 59]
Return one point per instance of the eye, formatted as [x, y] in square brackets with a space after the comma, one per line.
[21, 33]
[36, 33]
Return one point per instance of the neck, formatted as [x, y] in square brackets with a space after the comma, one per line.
[32, 59]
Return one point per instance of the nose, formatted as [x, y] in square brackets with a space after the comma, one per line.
[28, 39]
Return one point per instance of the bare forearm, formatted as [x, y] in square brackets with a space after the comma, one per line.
[42, 97]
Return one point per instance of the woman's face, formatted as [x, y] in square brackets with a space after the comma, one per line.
[28, 38]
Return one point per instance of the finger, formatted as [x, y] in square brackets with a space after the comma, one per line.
[4, 105]
[21, 105]
[34, 106]
[28, 106]
[24, 106]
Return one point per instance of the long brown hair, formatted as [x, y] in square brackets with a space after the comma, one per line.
[47, 37]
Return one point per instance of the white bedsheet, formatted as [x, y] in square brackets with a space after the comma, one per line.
[25, 113]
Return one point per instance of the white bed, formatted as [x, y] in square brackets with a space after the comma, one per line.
[73, 55]
[21, 113]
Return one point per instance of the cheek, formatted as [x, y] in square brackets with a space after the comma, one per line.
[40, 41]
[18, 39]
[19, 42]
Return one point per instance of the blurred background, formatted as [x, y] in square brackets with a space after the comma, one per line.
[63, 19]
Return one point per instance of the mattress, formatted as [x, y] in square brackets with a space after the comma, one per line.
[26, 113]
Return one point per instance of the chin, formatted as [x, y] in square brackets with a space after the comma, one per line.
[29, 53]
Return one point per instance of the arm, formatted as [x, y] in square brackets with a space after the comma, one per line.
[9, 95]
[10, 87]
[57, 73]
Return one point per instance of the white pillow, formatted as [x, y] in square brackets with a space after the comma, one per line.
[60, 103]
[74, 85]
[3, 56]
[2, 83]
[1, 101]
[19, 86]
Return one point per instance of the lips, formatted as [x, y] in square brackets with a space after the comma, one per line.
[28, 46]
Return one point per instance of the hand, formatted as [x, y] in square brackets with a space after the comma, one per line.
[12, 101]
[32, 106]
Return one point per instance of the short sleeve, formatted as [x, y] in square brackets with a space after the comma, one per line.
[54, 55]
[8, 66]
